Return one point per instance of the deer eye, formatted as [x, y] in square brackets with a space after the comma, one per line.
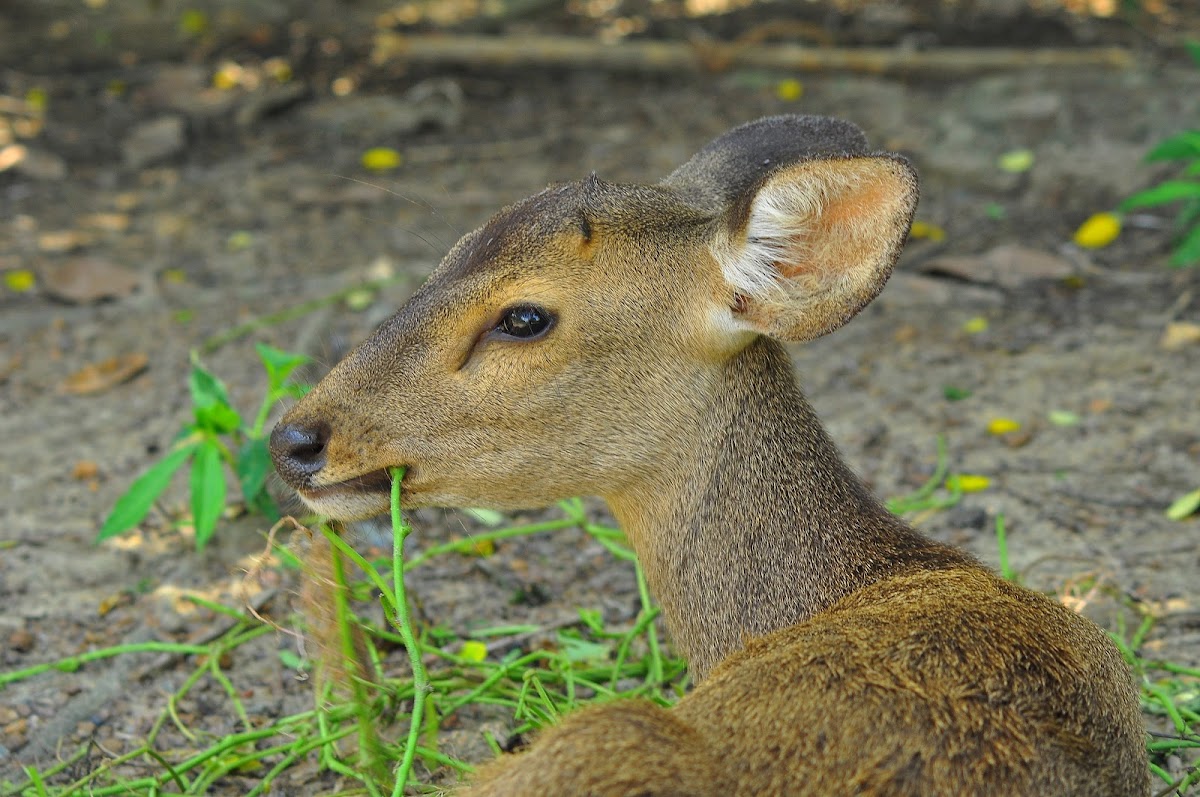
[525, 322]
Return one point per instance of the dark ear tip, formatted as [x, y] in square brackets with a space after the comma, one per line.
[720, 173]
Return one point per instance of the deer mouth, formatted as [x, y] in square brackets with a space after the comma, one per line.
[356, 498]
[375, 482]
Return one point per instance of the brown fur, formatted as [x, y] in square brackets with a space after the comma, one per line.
[836, 651]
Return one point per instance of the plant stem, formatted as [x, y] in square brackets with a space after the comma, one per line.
[369, 743]
[403, 622]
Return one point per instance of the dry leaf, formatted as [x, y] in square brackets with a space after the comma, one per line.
[83, 280]
[57, 241]
[85, 469]
[105, 222]
[1009, 266]
[1179, 334]
[104, 375]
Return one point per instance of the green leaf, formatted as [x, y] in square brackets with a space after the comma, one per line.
[1181, 146]
[952, 393]
[488, 517]
[1063, 418]
[581, 650]
[279, 364]
[206, 388]
[217, 418]
[1187, 253]
[1193, 48]
[131, 507]
[1162, 194]
[286, 557]
[208, 491]
[593, 619]
[252, 466]
[1184, 506]
[1016, 161]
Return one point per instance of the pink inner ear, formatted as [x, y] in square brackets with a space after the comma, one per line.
[847, 232]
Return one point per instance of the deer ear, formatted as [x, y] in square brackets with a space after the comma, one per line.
[814, 242]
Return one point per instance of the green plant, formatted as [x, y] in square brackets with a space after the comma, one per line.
[1185, 189]
[398, 712]
[216, 437]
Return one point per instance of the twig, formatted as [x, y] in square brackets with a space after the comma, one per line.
[672, 56]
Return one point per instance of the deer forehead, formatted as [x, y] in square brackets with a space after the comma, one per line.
[562, 233]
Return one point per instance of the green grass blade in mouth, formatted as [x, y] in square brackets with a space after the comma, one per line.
[403, 622]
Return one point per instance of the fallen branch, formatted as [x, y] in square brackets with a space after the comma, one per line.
[636, 55]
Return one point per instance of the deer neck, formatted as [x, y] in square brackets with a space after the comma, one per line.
[755, 524]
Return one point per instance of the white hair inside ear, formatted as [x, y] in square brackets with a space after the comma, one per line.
[781, 234]
[815, 243]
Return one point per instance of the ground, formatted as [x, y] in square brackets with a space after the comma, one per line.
[233, 221]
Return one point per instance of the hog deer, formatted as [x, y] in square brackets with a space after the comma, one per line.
[624, 341]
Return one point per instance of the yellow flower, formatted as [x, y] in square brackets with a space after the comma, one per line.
[193, 22]
[474, 651]
[1098, 231]
[36, 99]
[228, 76]
[1000, 426]
[381, 159]
[789, 90]
[1016, 161]
[968, 483]
[925, 229]
[975, 325]
[19, 281]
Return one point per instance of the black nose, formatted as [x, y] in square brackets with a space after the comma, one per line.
[299, 450]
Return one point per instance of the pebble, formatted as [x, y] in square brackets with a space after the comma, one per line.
[154, 142]
[36, 164]
[430, 104]
[21, 641]
[15, 732]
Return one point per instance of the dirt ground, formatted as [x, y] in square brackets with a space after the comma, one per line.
[236, 219]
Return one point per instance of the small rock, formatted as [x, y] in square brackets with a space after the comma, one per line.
[266, 101]
[83, 280]
[59, 241]
[15, 731]
[908, 289]
[435, 103]
[970, 166]
[154, 141]
[1018, 439]
[1035, 107]
[186, 89]
[105, 222]
[36, 164]
[21, 641]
